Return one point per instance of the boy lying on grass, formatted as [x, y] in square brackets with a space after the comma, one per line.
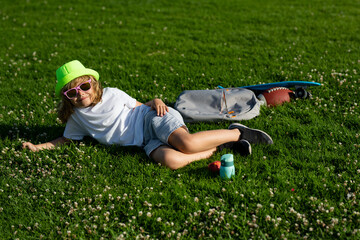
[111, 116]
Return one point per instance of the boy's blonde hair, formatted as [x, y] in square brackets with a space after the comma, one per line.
[66, 108]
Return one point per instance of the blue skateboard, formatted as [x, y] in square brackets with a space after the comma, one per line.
[299, 86]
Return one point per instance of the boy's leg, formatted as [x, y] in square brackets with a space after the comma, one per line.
[174, 159]
[201, 141]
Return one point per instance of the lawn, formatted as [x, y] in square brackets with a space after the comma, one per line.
[304, 186]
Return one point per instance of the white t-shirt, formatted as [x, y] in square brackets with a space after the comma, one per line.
[114, 120]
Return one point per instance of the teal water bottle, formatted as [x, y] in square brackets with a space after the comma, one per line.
[227, 168]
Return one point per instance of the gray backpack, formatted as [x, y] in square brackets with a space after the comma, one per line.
[219, 104]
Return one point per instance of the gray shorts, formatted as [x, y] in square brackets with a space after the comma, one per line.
[158, 129]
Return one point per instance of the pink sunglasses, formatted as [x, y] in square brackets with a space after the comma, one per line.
[73, 92]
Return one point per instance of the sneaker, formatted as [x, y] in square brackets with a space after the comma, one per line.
[242, 146]
[252, 135]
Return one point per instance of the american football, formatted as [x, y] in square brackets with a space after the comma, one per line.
[276, 96]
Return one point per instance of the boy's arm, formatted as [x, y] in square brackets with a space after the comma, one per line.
[48, 145]
[158, 105]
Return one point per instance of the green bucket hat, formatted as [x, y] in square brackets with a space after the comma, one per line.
[69, 71]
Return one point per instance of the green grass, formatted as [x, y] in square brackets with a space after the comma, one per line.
[306, 185]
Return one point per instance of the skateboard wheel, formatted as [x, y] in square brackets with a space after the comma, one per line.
[301, 93]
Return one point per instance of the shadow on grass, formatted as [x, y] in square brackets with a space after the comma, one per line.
[31, 132]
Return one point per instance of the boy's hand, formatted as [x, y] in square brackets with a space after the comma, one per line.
[159, 106]
[30, 146]
[48, 145]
